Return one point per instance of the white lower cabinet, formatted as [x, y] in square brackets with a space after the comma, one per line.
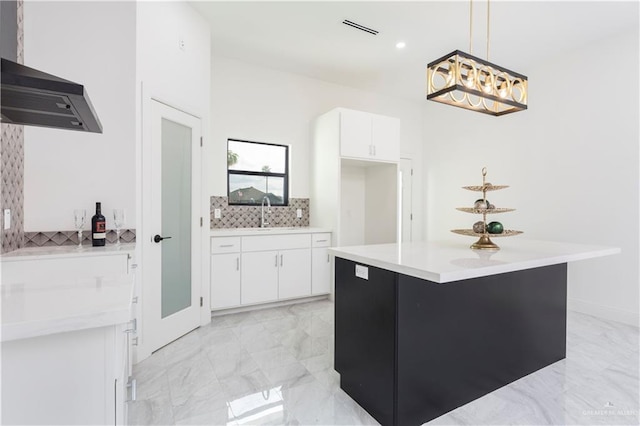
[259, 277]
[66, 348]
[320, 264]
[72, 378]
[320, 268]
[294, 278]
[257, 269]
[225, 280]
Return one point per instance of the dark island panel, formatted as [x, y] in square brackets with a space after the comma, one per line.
[409, 350]
[365, 332]
[461, 340]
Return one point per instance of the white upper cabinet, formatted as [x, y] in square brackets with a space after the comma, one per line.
[369, 136]
[385, 138]
[355, 134]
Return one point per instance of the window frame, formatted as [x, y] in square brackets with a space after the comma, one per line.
[284, 175]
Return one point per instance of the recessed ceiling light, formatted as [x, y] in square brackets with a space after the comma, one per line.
[401, 45]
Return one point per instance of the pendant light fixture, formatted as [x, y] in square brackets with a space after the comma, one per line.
[466, 81]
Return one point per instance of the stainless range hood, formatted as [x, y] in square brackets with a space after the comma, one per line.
[32, 97]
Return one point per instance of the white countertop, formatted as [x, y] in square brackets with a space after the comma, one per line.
[59, 289]
[444, 262]
[238, 232]
[31, 253]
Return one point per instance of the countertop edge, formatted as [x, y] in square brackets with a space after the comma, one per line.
[27, 330]
[246, 232]
[446, 277]
[59, 252]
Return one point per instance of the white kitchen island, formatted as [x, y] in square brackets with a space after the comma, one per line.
[423, 328]
[65, 346]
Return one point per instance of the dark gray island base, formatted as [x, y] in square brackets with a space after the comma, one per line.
[409, 350]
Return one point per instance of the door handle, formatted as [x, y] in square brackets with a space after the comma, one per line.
[158, 238]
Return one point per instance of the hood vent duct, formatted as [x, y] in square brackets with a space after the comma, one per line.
[360, 27]
[35, 98]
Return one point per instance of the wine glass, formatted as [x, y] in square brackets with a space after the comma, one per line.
[118, 222]
[80, 217]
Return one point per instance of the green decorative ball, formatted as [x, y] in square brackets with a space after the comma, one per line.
[481, 204]
[495, 228]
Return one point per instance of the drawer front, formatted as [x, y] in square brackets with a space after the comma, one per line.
[275, 242]
[225, 245]
[321, 240]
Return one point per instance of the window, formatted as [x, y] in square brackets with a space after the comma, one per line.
[256, 170]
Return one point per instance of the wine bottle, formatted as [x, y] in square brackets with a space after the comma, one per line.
[98, 227]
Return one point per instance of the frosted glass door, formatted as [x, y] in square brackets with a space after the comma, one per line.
[176, 217]
[171, 234]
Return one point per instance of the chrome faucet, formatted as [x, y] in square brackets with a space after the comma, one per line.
[262, 222]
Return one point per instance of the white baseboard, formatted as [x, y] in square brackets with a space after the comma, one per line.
[604, 312]
[259, 306]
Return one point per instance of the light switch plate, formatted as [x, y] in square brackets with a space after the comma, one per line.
[299, 213]
[217, 214]
[7, 219]
[362, 272]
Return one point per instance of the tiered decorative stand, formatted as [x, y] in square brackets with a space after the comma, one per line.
[484, 242]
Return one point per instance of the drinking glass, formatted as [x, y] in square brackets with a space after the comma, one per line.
[80, 217]
[118, 222]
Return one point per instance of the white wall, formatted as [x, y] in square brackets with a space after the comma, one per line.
[260, 104]
[571, 160]
[180, 77]
[91, 43]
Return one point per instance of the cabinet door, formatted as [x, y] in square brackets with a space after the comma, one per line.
[385, 138]
[355, 134]
[225, 280]
[320, 271]
[259, 277]
[295, 273]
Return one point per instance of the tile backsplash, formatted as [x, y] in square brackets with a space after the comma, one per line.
[70, 238]
[249, 216]
[12, 164]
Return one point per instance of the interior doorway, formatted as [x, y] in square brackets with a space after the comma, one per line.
[171, 237]
[406, 182]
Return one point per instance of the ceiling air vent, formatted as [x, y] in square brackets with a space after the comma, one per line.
[360, 27]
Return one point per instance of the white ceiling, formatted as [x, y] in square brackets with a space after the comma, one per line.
[308, 38]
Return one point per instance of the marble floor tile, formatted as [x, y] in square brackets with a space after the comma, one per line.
[240, 318]
[261, 315]
[227, 364]
[287, 323]
[189, 376]
[150, 369]
[262, 408]
[312, 404]
[275, 367]
[303, 346]
[274, 357]
[318, 327]
[208, 402]
[183, 348]
[245, 384]
[152, 411]
[213, 336]
[288, 375]
[318, 363]
[255, 338]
